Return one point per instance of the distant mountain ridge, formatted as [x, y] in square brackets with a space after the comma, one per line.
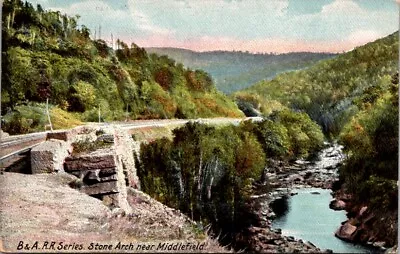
[236, 70]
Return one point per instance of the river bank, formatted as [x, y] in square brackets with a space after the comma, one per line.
[361, 225]
[284, 180]
[309, 217]
[365, 225]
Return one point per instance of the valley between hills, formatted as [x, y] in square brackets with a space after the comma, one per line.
[263, 131]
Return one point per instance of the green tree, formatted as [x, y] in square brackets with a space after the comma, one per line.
[83, 97]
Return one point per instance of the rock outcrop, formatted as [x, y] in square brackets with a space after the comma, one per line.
[43, 207]
[337, 205]
[266, 240]
[373, 227]
[101, 175]
[104, 173]
[49, 156]
[125, 147]
[346, 231]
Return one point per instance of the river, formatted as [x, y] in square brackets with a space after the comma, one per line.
[308, 217]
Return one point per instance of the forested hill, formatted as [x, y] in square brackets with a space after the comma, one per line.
[233, 71]
[354, 97]
[331, 90]
[46, 55]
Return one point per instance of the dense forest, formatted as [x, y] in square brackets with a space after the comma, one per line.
[233, 71]
[327, 91]
[214, 168]
[371, 142]
[354, 98]
[46, 55]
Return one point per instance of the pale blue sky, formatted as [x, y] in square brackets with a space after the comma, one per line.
[253, 25]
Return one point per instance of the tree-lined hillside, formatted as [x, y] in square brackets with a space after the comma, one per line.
[370, 172]
[233, 71]
[329, 90]
[46, 55]
[354, 98]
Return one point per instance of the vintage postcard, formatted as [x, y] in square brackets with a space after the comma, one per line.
[190, 126]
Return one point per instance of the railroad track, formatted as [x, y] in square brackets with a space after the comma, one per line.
[14, 149]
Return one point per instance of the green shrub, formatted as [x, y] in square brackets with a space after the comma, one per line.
[274, 138]
[87, 146]
[380, 193]
[26, 118]
[16, 124]
[370, 140]
[306, 137]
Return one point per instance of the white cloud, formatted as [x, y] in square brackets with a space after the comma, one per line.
[360, 37]
[273, 6]
[144, 23]
[87, 7]
[193, 19]
[258, 25]
[342, 7]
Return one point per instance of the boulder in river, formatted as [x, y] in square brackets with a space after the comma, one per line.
[295, 178]
[337, 204]
[271, 215]
[290, 238]
[346, 232]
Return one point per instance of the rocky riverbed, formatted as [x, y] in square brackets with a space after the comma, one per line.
[321, 173]
[282, 180]
[366, 225]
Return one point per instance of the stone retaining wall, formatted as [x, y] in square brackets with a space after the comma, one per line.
[101, 175]
[105, 173]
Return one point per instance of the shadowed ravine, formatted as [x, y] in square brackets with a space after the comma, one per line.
[306, 215]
